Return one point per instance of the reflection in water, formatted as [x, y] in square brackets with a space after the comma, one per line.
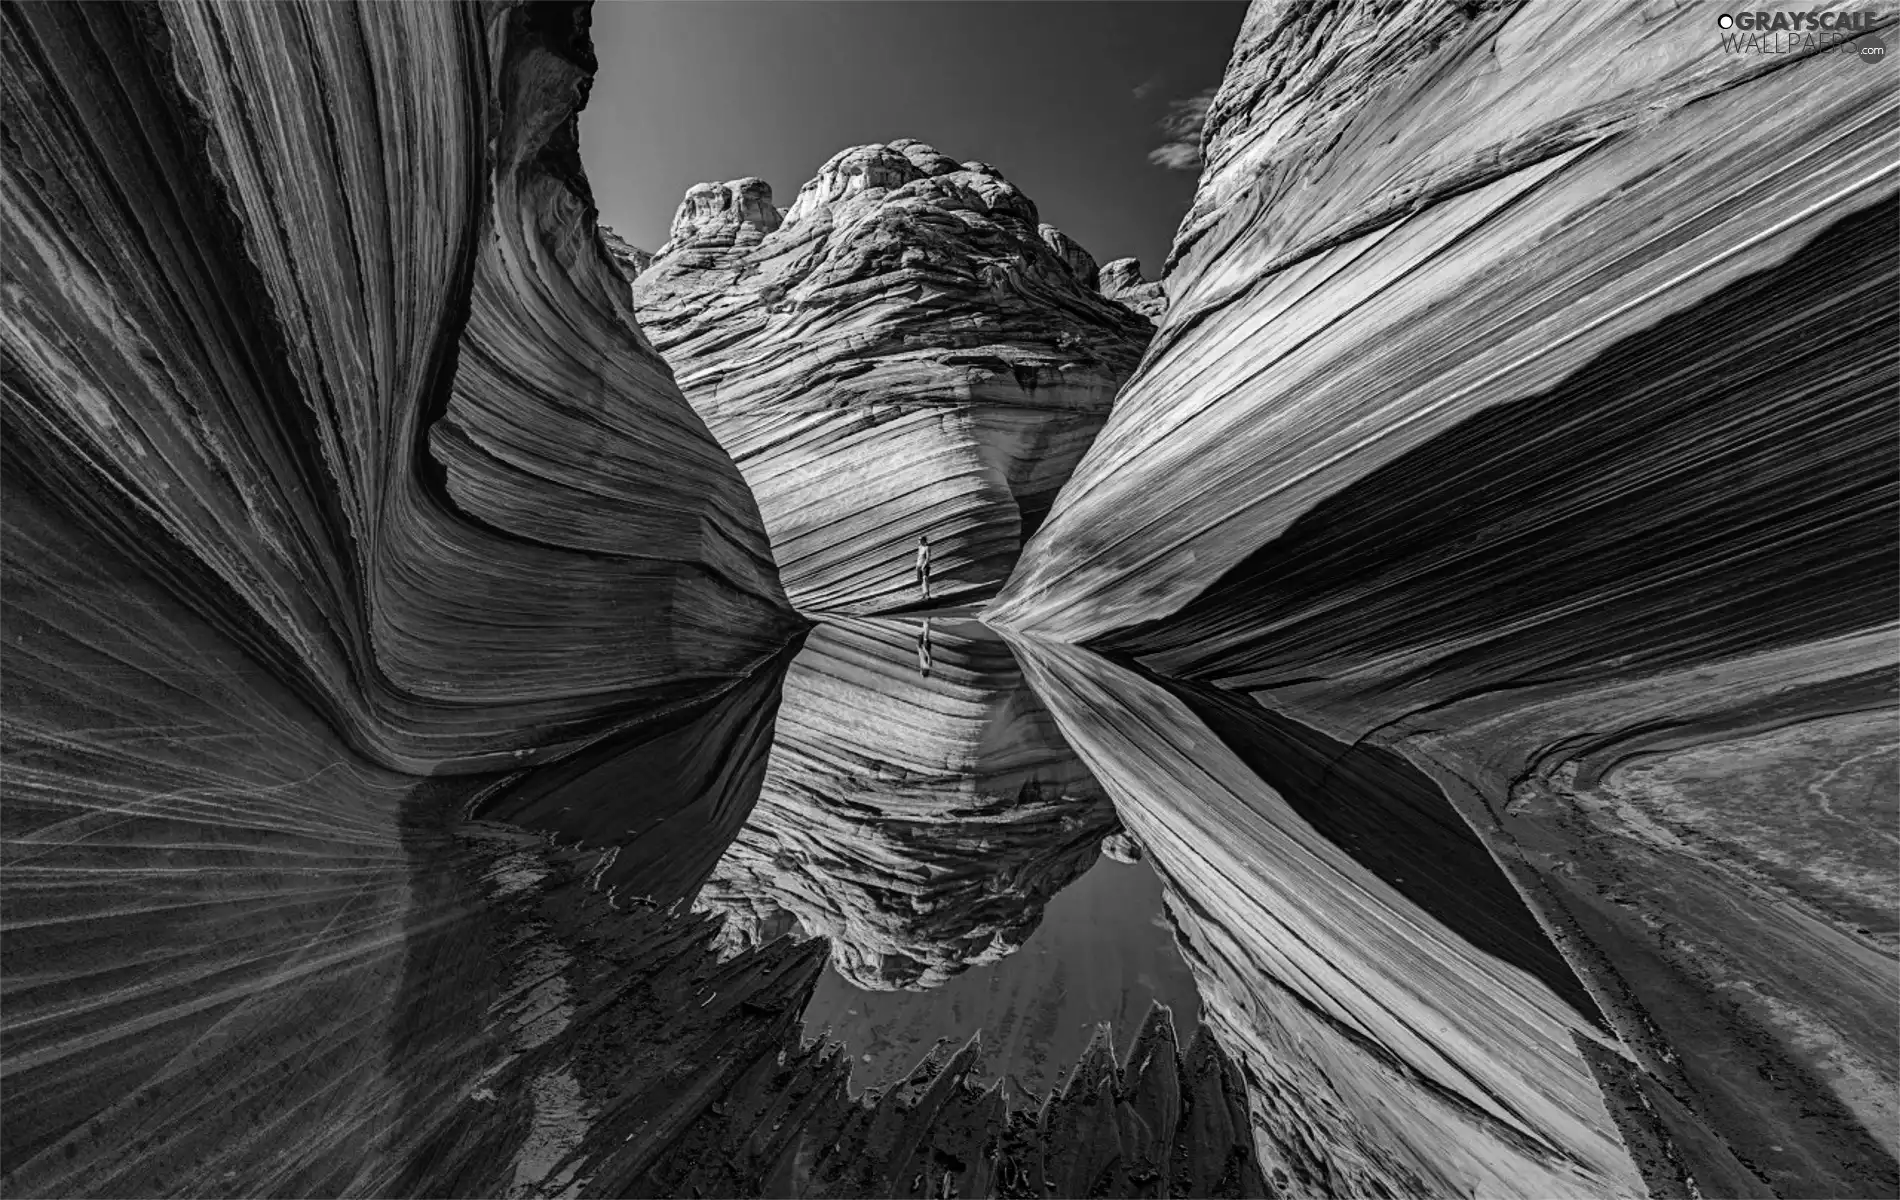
[920, 823]
[1105, 952]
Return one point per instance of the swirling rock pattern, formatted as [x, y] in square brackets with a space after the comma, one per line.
[1553, 454]
[334, 470]
[393, 428]
[904, 350]
[919, 822]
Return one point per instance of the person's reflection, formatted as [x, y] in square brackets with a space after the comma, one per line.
[923, 650]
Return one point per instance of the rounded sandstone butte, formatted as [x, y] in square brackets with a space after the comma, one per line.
[721, 216]
[903, 354]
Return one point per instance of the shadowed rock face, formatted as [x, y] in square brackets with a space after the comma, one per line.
[393, 430]
[1497, 454]
[903, 351]
[1400, 1035]
[920, 823]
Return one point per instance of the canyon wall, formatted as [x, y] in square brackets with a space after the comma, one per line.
[1552, 452]
[340, 490]
[905, 350]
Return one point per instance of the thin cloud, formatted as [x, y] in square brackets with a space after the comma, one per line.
[1184, 124]
[1147, 88]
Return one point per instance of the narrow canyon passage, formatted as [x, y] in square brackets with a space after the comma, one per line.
[851, 697]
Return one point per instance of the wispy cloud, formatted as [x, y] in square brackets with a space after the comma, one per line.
[1147, 88]
[1183, 125]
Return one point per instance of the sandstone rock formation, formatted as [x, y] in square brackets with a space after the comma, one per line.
[904, 350]
[1401, 1035]
[628, 257]
[334, 469]
[418, 461]
[919, 823]
[1553, 453]
[1122, 282]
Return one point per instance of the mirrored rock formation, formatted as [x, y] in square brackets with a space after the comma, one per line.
[1551, 456]
[903, 351]
[1405, 1025]
[1478, 610]
[917, 817]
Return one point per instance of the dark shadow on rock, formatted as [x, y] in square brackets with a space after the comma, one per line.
[659, 803]
[1721, 483]
[1394, 821]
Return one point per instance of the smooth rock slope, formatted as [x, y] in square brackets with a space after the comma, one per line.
[1555, 454]
[904, 350]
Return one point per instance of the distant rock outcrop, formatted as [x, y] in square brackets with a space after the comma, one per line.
[904, 350]
[628, 257]
[1121, 282]
[1554, 454]
[919, 822]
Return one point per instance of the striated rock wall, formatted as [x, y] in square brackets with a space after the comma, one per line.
[1554, 453]
[388, 423]
[904, 350]
[332, 462]
[920, 822]
[1404, 1024]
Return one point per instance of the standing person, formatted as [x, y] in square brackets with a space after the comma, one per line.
[923, 563]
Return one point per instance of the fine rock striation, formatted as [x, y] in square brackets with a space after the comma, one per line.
[1122, 282]
[1405, 1026]
[920, 823]
[905, 350]
[339, 489]
[1554, 455]
[391, 427]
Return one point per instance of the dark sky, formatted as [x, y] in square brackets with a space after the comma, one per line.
[692, 90]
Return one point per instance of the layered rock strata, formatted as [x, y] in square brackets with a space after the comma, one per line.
[334, 469]
[1122, 282]
[389, 424]
[903, 351]
[1404, 1023]
[1554, 453]
[919, 822]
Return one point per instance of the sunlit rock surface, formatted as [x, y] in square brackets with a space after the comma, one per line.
[389, 425]
[918, 821]
[1122, 282]
[332, 463]
[1553, 453]
[1406, 1026]
[904, 350]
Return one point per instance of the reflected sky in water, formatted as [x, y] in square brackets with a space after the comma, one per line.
[1105, 951]
[922, 812]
